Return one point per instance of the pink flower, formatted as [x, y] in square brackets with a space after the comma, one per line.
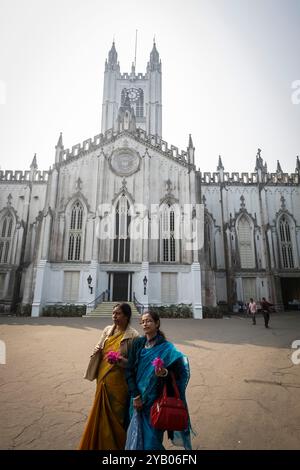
[113, 356]
[158, 363]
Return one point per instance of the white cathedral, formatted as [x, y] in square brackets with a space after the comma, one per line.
[130, 216]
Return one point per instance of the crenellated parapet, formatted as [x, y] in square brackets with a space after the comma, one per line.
[152, 141]
[23, 176]
[128, 76]
[249, 178]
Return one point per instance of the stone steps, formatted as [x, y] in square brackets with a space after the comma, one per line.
[104, 310]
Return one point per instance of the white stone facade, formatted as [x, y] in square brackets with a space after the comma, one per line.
[121, 208]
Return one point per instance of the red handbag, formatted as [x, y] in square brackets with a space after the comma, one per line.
[169, 413]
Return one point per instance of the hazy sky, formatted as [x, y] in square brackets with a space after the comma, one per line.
[228, 68]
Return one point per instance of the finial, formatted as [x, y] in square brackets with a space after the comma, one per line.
[34, 163]
[279, 169]
[190, 141]
[220, 164]
[60, 142]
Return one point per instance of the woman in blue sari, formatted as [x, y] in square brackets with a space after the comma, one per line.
[145, 384]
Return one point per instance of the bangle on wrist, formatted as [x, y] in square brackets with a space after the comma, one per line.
[165, 373]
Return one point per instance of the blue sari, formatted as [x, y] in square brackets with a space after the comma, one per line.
[147, 382]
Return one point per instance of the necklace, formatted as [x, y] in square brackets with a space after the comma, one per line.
[150, 342]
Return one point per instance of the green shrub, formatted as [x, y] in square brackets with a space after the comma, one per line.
[212, 312]
[68, 310]
[173, 311]
[23, 310]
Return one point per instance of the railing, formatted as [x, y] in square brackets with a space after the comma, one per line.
[98, 300]
[140, 307]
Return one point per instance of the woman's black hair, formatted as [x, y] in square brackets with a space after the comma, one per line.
[155, 317]
[126, 309]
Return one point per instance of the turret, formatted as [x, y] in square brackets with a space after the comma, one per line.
[154, 111]
[154, 64]
[112, 62]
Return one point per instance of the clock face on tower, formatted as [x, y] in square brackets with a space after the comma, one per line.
[133, 93]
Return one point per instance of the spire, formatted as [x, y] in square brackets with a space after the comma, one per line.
[33, 165]
[112, 63]
[60, 142]
[191, 151]
[113, 55]
[154, 64]
[59, 149]
[220, 164]
[279, 169]
[297, 169]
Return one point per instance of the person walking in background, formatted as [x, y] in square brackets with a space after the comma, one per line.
[106, 426]
[252, 309]
[265, 305]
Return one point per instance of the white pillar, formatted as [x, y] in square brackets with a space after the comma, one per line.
[38, 299]
[196, 283]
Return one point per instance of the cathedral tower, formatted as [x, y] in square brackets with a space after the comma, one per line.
[143, 91]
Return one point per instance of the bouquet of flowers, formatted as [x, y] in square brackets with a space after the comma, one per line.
[113, 356]
[158, 363]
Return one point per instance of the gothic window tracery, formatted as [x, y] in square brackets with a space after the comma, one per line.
[75, 232]
[245, 239]
[121, 252]
[167, 220]
[286, 246]
[6, 232]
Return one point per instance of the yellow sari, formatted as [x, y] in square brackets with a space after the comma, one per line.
[104, 429]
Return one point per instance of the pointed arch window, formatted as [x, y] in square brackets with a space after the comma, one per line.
[6, 232]
[75, 232]
[121, 252]
[246, 243]
[286, 243]
[208, 242]
[167, 219]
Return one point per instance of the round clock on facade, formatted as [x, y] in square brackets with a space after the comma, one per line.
[133, 93]
[124, 161]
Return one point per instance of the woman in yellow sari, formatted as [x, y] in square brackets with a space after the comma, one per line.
[106, 425]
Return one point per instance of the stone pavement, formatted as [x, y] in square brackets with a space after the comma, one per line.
[244, 391]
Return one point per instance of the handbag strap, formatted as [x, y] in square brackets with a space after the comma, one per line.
[176, 391]
[175, 388]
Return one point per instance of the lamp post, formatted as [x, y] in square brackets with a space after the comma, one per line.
[89, 281]
[145, 280]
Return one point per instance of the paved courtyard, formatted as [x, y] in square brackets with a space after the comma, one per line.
[244, 391]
